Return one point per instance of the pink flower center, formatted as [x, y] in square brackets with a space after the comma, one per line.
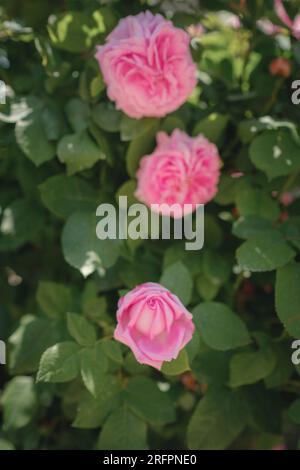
[151, 320]
[152, 303]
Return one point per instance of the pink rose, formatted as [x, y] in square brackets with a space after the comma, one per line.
[230, 20]
[195, 30]
[267, 27]
[181, 170]
[153, 323]
[293, 25]
[147, 65]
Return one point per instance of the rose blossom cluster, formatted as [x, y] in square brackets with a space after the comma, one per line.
[147, 66]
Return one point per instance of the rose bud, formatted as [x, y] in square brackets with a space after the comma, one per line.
[280, 67]
[153, 323]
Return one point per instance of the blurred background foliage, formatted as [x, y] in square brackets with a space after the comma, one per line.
[64, 149]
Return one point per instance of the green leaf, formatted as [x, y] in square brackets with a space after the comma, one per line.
[178, 365]
[53, 120]
[275, 153]
[32, 139]
[294, 411]
[92, 411]
[219, 327]
[139, 147]
[75, 31]
[78, 113]
[103, 143]
[59, 363]
[143, 269]
[288, 298]
[258, 203]
[54, 299]
[95, 308]
[79, 152]
[215, 268]
[193, 260]
[133, 367]
[97, 85]
[228, 188]
[133, 128]
[250, 367]
[112, 350]
[192, 347]
[266, 252]
[123, 431]
[212, 367]
[177, 279]
[249, 129]
[21, 221]
[250, 226]
[206, 288]
[6, 445]
[20, 108]
[81, 247]
[212, 232]
[19, 403]
[63, 195]
[148, 402]
[283, 369]
[81, 330]
[217, 421]
[264, 408]
[107, 117]
[128, 189]
[91, 82]
[28, 342]
[170, 123]
[291, 231]
[212, 127]
[93, 366]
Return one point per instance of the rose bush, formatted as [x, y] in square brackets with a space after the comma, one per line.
[159, 101]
